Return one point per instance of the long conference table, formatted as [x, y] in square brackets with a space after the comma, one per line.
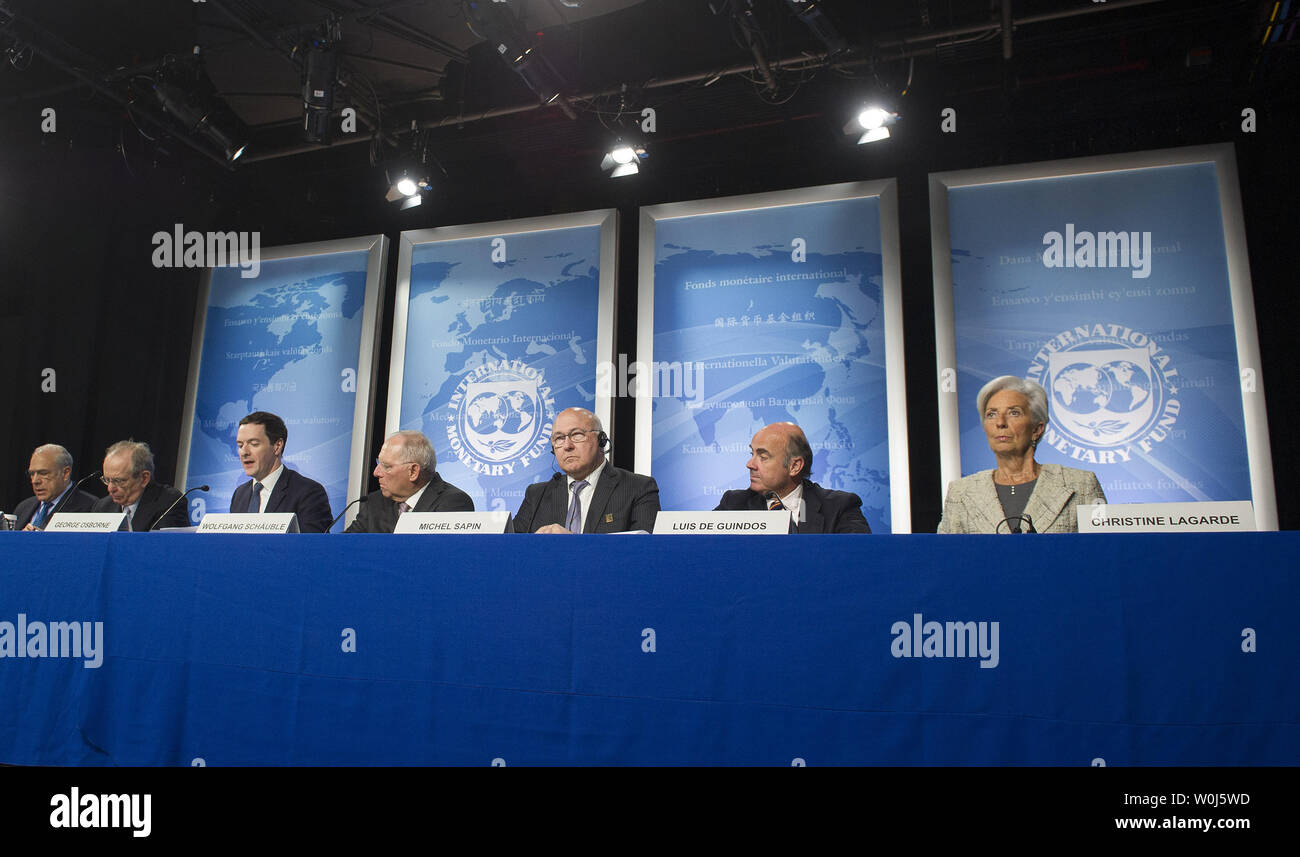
[709, 650]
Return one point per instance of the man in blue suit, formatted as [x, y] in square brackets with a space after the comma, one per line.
[274, 487]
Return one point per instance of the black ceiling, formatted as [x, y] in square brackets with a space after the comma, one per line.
[1064, 67]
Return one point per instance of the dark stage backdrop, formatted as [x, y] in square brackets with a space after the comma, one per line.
[79, 295]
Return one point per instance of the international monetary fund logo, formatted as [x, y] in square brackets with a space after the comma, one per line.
[1113, 389]
[500, 417]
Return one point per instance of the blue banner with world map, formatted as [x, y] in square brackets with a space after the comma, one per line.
[1110, 288]
[769, 314]
[293, 341]
[498, 330]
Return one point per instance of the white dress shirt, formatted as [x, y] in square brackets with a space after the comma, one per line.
[585, 495]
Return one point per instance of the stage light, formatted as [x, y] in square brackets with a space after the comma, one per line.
[196, 114]
[821, 25]
[622, 159]
[872, 117]
[407, 187]
[319, 80]
[537, 75]
[872, 122]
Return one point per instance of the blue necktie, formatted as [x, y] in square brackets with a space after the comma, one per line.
[573, 523]
[39, 521]
[255, 504]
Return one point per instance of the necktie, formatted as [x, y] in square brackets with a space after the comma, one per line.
[129, 516]
[402, 508]
[574, 521]
[39, 521]
[773, 501]
[255, 504]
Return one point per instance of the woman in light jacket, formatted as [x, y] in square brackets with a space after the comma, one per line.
[1019, 495]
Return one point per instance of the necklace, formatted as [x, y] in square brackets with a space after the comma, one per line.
[1012, 485]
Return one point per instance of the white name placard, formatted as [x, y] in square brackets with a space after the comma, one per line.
[732, 523]
[1219, 516]
[249, 522]
[86, 522]
[424, 523]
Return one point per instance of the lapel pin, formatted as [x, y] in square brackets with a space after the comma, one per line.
[609, 519]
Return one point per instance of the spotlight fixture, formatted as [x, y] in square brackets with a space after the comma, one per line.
[872, 122]
[622, 159]
[496, 23]
[537, 74]
[184, 90]
[822, 26]
[407, 185]
[318, 83]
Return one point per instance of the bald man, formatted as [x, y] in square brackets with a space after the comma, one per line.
[407, 470]
[780, 463]
[589, 495]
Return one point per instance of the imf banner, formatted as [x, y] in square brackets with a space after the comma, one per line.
[781, 307]
[296, 340]
[499, 327]
[1112, 289]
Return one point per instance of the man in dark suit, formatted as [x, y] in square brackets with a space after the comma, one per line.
[50, 471]
[407, 470]
[591, 495]
[128, 473]
[779, 466]
[260, 441]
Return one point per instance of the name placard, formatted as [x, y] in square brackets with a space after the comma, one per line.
[86, 522]
[424, 523]
[1218, 516]
[731, 523]
[249, 522]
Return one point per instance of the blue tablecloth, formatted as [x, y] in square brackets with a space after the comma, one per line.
[335, 649]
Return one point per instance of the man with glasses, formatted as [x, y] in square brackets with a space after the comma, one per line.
[50, 472]
[590, 495]
[408, 482]
[128, 473]
[260, 441]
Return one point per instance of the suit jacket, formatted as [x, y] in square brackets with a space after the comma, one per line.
[825, 510]
[293, 492]
[77, 501]
[972, 505]
[623, 501]
[153, 502]
[378, 514]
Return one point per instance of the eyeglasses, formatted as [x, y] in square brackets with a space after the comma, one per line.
[577, 436]
[117, 483]
[388, 467]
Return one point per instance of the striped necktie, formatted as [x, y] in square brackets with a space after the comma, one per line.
[42, 514]
[573, 523]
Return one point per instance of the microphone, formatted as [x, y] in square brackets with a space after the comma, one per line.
[1015, 528]
[68, 495]
[360, 499]
[173, 506]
